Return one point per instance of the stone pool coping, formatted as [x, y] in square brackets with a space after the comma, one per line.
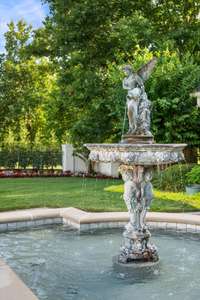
[12, 287]
[83, 220]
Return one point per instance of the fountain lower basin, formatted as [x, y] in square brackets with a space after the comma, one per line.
[60, 264]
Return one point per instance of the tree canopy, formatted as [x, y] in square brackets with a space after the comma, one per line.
[95, 38]
[62, 82]
[26, 83]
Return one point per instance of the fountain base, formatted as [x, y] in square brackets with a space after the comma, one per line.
[136, 247]
[137, 252]
[135, 267]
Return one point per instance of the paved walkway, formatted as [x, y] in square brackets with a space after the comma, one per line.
[11, 286]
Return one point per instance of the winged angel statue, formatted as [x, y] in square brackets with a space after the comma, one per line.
[138, 105]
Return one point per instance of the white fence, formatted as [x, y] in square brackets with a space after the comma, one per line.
[108, 169]
[75, 164]
[72, 162]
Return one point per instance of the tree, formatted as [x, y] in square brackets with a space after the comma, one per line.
[86, 40]
[176, 117]
[93, 39]
[26, 83]
[63, 81]
[178, 22]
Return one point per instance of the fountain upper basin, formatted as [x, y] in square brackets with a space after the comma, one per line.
[137, 154]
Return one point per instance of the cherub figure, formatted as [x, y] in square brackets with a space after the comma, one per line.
[146, 195]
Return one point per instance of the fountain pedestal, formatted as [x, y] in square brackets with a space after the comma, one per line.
[138, 196]
[136, 165]
[137, 139]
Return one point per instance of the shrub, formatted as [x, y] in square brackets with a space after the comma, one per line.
[8, 159]
[193, 177]
[172, 178]
[22, 158]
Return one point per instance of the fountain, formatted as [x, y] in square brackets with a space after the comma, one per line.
[137, 154]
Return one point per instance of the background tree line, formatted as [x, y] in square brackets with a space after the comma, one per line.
[62, 82]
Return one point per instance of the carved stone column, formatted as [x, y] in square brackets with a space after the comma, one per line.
[138, 195]
[137, 161]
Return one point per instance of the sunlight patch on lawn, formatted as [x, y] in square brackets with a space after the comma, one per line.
[162, 195]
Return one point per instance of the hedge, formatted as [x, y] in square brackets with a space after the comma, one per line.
[35, 159]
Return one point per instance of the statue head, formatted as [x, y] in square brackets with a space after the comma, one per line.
[127, 175]
[127, 69]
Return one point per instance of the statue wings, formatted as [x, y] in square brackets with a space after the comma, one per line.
[145, 71]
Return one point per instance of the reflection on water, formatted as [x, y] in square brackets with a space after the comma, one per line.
[58, 264]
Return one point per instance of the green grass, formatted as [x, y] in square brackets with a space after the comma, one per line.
[168, 201]
[84, 193]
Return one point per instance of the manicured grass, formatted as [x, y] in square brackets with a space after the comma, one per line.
[84, 193]
[168, 201]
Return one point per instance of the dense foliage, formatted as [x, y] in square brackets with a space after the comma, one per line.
[193, 177]
[26, 83]
[36, 159]
[173, 178]
[95, 38]
[62, 82]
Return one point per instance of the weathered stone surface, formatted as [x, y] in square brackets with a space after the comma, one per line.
[138, 195]
[136, 164]
[137, 154]
[136, 269]
[138, 104]
[137, 139]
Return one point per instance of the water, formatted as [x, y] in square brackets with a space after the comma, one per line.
[124, 121]
[59, 264]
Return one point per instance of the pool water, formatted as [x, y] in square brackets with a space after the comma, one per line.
[59, 264]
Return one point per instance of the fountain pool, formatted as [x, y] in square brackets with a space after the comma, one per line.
[61, 264]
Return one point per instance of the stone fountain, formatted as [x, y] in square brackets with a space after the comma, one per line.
[137, 154]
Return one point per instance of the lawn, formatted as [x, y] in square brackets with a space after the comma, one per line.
[84, 193]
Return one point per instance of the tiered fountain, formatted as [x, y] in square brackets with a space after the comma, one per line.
[137, 154]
